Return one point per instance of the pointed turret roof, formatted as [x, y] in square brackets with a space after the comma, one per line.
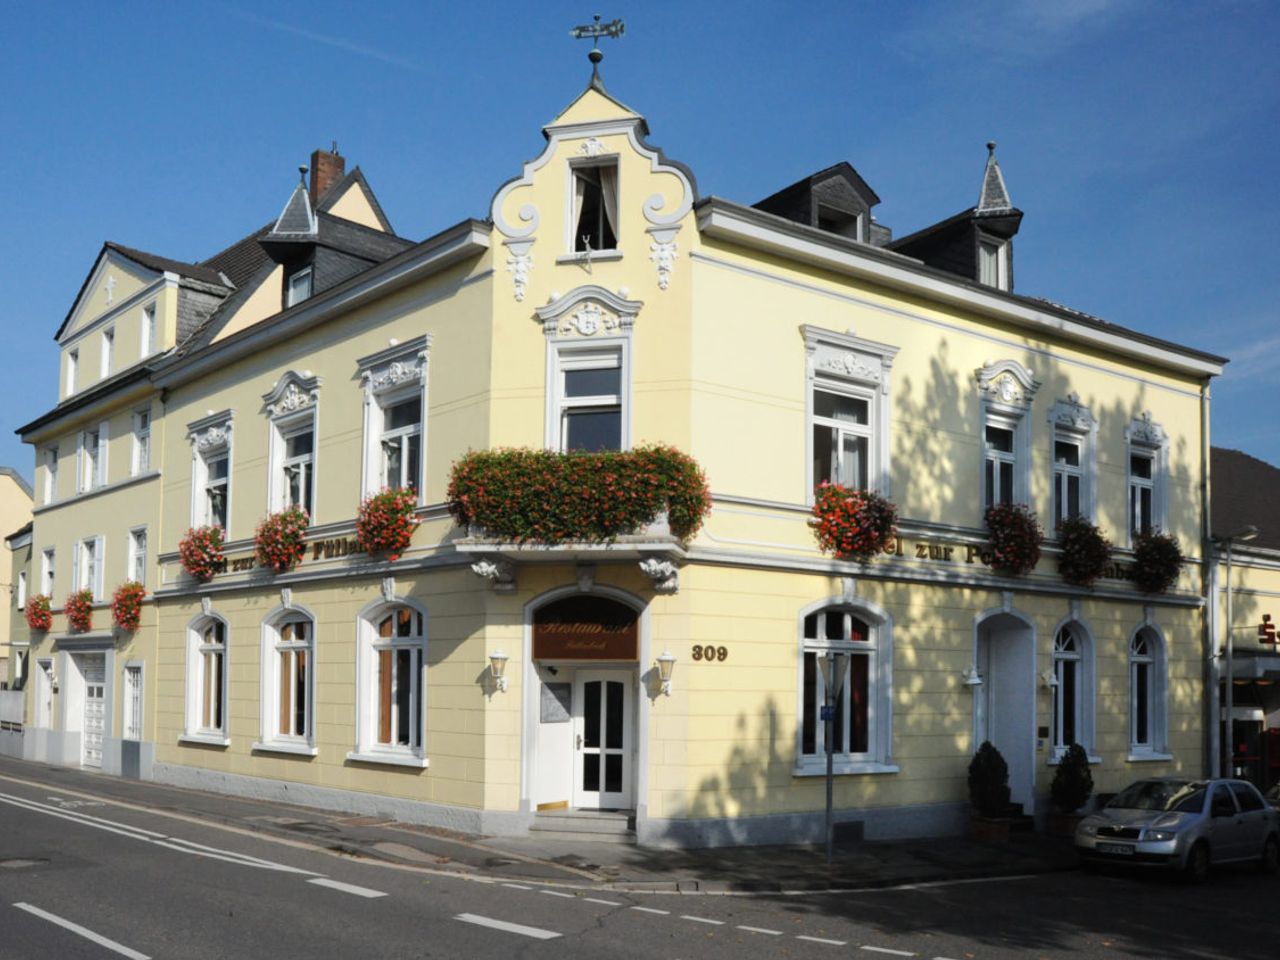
[297, 220]
[994, 197]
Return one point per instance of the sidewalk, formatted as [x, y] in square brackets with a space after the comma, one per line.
[868, 864]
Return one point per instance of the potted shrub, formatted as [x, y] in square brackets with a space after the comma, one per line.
[852, 524]
[386, 521]
[1070, 790]
[200, 550]
[126, 605]
[1085, 551]
[1157, 561]
[39, 612]
[79, 610]
[989, 794]
[1014, 538]
[281, 539]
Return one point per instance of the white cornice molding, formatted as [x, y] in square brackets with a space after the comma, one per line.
[751, 228]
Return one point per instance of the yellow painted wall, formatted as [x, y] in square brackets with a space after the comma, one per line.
[262, 303]
[354, 205]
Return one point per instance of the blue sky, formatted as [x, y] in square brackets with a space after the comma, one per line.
[1140, 138]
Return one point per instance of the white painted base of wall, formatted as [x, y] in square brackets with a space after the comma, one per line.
[61, 747]
[128, 758]
[11, 743]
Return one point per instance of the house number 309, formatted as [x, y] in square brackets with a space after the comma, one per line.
[710, 654]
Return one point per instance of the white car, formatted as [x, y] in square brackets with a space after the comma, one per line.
[1183, 824]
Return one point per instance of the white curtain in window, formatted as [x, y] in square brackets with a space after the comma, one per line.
[579, 191]
[609, 195]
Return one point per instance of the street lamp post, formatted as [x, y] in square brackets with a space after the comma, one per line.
[1243, 535]
[833, 667]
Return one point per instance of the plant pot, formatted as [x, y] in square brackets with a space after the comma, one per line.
[1063, 824]
[992, 829]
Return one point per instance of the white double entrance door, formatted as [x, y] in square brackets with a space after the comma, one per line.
[93, 668]
[603, 731]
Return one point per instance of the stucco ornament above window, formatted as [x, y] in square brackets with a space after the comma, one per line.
[1143, 430]
[1007, 382]
[291, 393]
[397, 366]
[588, 311]
[1072, 413]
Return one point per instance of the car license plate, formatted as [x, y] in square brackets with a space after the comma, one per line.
[1123, 849]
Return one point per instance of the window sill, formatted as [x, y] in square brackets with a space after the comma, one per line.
[596, 256]
[1148, 756]
[844, 768]
[1056, 758]
[205, 739]
[296, 749]
[389, 759]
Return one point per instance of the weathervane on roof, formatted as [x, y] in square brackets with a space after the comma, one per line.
[594, 31]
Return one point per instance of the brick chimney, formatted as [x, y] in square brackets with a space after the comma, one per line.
[327, 168]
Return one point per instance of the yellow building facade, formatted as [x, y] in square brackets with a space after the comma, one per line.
[604, 303]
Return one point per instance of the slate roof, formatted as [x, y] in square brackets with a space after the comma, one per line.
[994, 196]
[1245, 490]
[296, 219]
[242, 259]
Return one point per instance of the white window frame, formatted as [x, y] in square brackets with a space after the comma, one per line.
[1143, 438]
[211, 440]
[993, 262]
[92, 458]
[73, 370]
[147, 338]
[21, 588]
[199, 653]
[292, 284]
[51, 473]
[108, 355]
[849, 365]
[1072, 422]
[48, 562]
[389, 377]
[369, 645]
[597, 355]
[1006, 390]
[88, 561]
[137, 569]
[303, 464]
[878, 648]
[132, 700]
[273, 645]
[1080, 660]
[293, 408]
[572, 213]
[142, 458]
[1155, 662]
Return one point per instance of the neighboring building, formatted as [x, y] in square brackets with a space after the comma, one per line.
[15, 510]
[1246, 506]
[604, 303]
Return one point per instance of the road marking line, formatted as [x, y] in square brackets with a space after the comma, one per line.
[931, 884]
[557, 893]
[714, 923]
[536, 932]
[346, 887]
[607, 903]
[88, 934]
[652, 910]
[517, 886]
[895, 953]
[833, 943]
[772, 933]
[135, 833]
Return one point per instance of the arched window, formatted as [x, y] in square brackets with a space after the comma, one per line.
[207, 680]
[392, 686]
[1147, 696]
[1073, 697]
[288, 665]
[860, 731]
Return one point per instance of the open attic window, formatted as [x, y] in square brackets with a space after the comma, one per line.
[993, 263]
[840, 222]
[595, 207]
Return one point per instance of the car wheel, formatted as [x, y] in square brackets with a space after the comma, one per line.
[1197, 868]
[1269, 862]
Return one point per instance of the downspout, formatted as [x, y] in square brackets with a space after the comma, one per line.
[1209, 586]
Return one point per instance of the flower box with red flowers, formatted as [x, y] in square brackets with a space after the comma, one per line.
[1014, 538]
[1157, 561]
[1084, 551]
[545, 497]
[126, 605]
[281, 539]
[39, 612]
[79, 611]
[852, 524]
[200, 550]
[386, 522]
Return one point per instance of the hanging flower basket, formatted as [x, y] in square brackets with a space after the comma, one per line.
[1085, 551]
[39, 612]
[1015, 536]
[1157, 561]
[386, 522]
[852, 524]
[126, 605]
[201, 552]
[79, 611]
[281, 539]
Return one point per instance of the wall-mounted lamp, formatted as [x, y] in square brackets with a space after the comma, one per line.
[972, 678]
[666, 663]
[1048, 679]
[498, 667]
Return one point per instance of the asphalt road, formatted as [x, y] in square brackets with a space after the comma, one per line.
[86, 878]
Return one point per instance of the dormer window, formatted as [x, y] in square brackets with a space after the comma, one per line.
[595, 207]
[840, 222]
[993, 263]
[299, 287]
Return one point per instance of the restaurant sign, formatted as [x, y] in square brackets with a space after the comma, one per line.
[585, 628]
